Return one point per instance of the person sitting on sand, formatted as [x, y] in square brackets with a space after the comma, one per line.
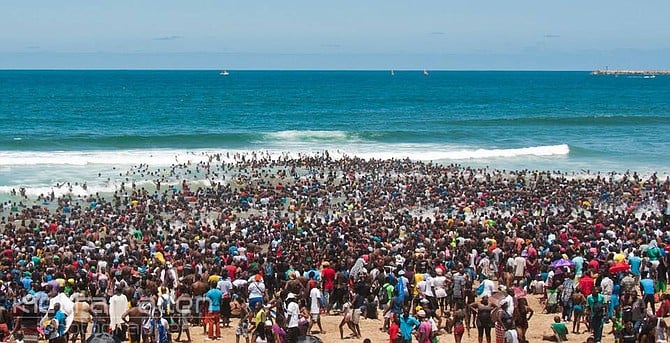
[560, 331]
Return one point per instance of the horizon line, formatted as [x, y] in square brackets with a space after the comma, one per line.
[298, 69]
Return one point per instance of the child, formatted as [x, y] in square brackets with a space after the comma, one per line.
[448, 322]
[459, 327]
[242, 330]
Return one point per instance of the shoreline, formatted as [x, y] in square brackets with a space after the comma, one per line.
[240, 169]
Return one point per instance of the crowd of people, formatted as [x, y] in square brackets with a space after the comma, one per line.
[276, 243]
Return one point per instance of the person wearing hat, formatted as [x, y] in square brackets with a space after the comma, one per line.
[425, 330]
[26, 320]
[292, 318]
[328, 281]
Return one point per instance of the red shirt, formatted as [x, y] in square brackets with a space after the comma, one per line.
[393, 331]
[586, 285]
[328, 276]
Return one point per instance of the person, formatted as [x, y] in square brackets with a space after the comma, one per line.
[315, 307]
[118, 305]
[82, 316]
[578, 302]
[183, 312]
[292, 318]
[159, 328]
[559, 329]
[567, 288]
[425, 330]
[395, 336]
[511, 334]
[213, 296]
[256, 291]
[459, 326]
[648, 289]
[522, 315]
[135, 318]
[484, 319]
[26, 319]
[628, 334]
[61, 318]
[242, 330]
[347, 314]
[598, 311]
[407, 325]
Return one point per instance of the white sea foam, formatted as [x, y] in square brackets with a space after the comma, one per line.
[420, 152]
[111, 157]
[307, 135]
[433, 152]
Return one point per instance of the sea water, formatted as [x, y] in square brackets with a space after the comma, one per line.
[92, 126]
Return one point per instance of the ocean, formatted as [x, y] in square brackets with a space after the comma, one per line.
[88, 126]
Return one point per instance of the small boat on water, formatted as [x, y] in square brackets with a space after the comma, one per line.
[425, 72]
[224, 73]
[392, 72]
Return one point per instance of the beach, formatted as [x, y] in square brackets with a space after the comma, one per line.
[377, 209]
[272, 189]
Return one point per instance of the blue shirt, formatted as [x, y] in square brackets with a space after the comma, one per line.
[647, 286]
[634, 263]
[60, 317]
[27, 282]
[407, 325]
[214, 296]
[42, 301]
[579, 264]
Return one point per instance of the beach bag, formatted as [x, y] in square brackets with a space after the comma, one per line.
[480, 289]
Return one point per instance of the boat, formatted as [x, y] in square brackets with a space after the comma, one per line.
[392, 72]
[224, 73]
[649, 77]
[425, 72]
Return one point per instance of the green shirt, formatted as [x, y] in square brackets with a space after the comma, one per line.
[560, 329]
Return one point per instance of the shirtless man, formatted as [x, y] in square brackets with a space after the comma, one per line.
[134, 317]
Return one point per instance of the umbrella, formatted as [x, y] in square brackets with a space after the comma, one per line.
[562, 263]
[619, 267]
[103, 337]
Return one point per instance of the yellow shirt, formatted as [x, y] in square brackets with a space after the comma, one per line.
[619, 257]
[418, 277]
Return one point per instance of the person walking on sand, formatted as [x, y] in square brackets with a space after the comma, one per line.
[484, 319]
[597, 307]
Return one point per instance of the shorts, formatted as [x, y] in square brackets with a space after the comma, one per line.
[356, 316]
[242, 332]
[315, 316]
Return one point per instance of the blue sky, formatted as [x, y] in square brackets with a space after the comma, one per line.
[339, 34]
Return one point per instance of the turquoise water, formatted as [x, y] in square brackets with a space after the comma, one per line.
[63, 125]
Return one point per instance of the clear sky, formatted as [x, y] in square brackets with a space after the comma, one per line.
[336, 34]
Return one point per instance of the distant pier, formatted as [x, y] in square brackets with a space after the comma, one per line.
[630, 72]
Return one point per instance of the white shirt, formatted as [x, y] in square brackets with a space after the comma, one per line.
[489, 287]
[292, 311]
[315, 296]
[118, 304]
[256, 289]
[510, 304]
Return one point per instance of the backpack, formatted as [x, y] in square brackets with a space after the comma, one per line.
[383, 295]
[627, 314]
